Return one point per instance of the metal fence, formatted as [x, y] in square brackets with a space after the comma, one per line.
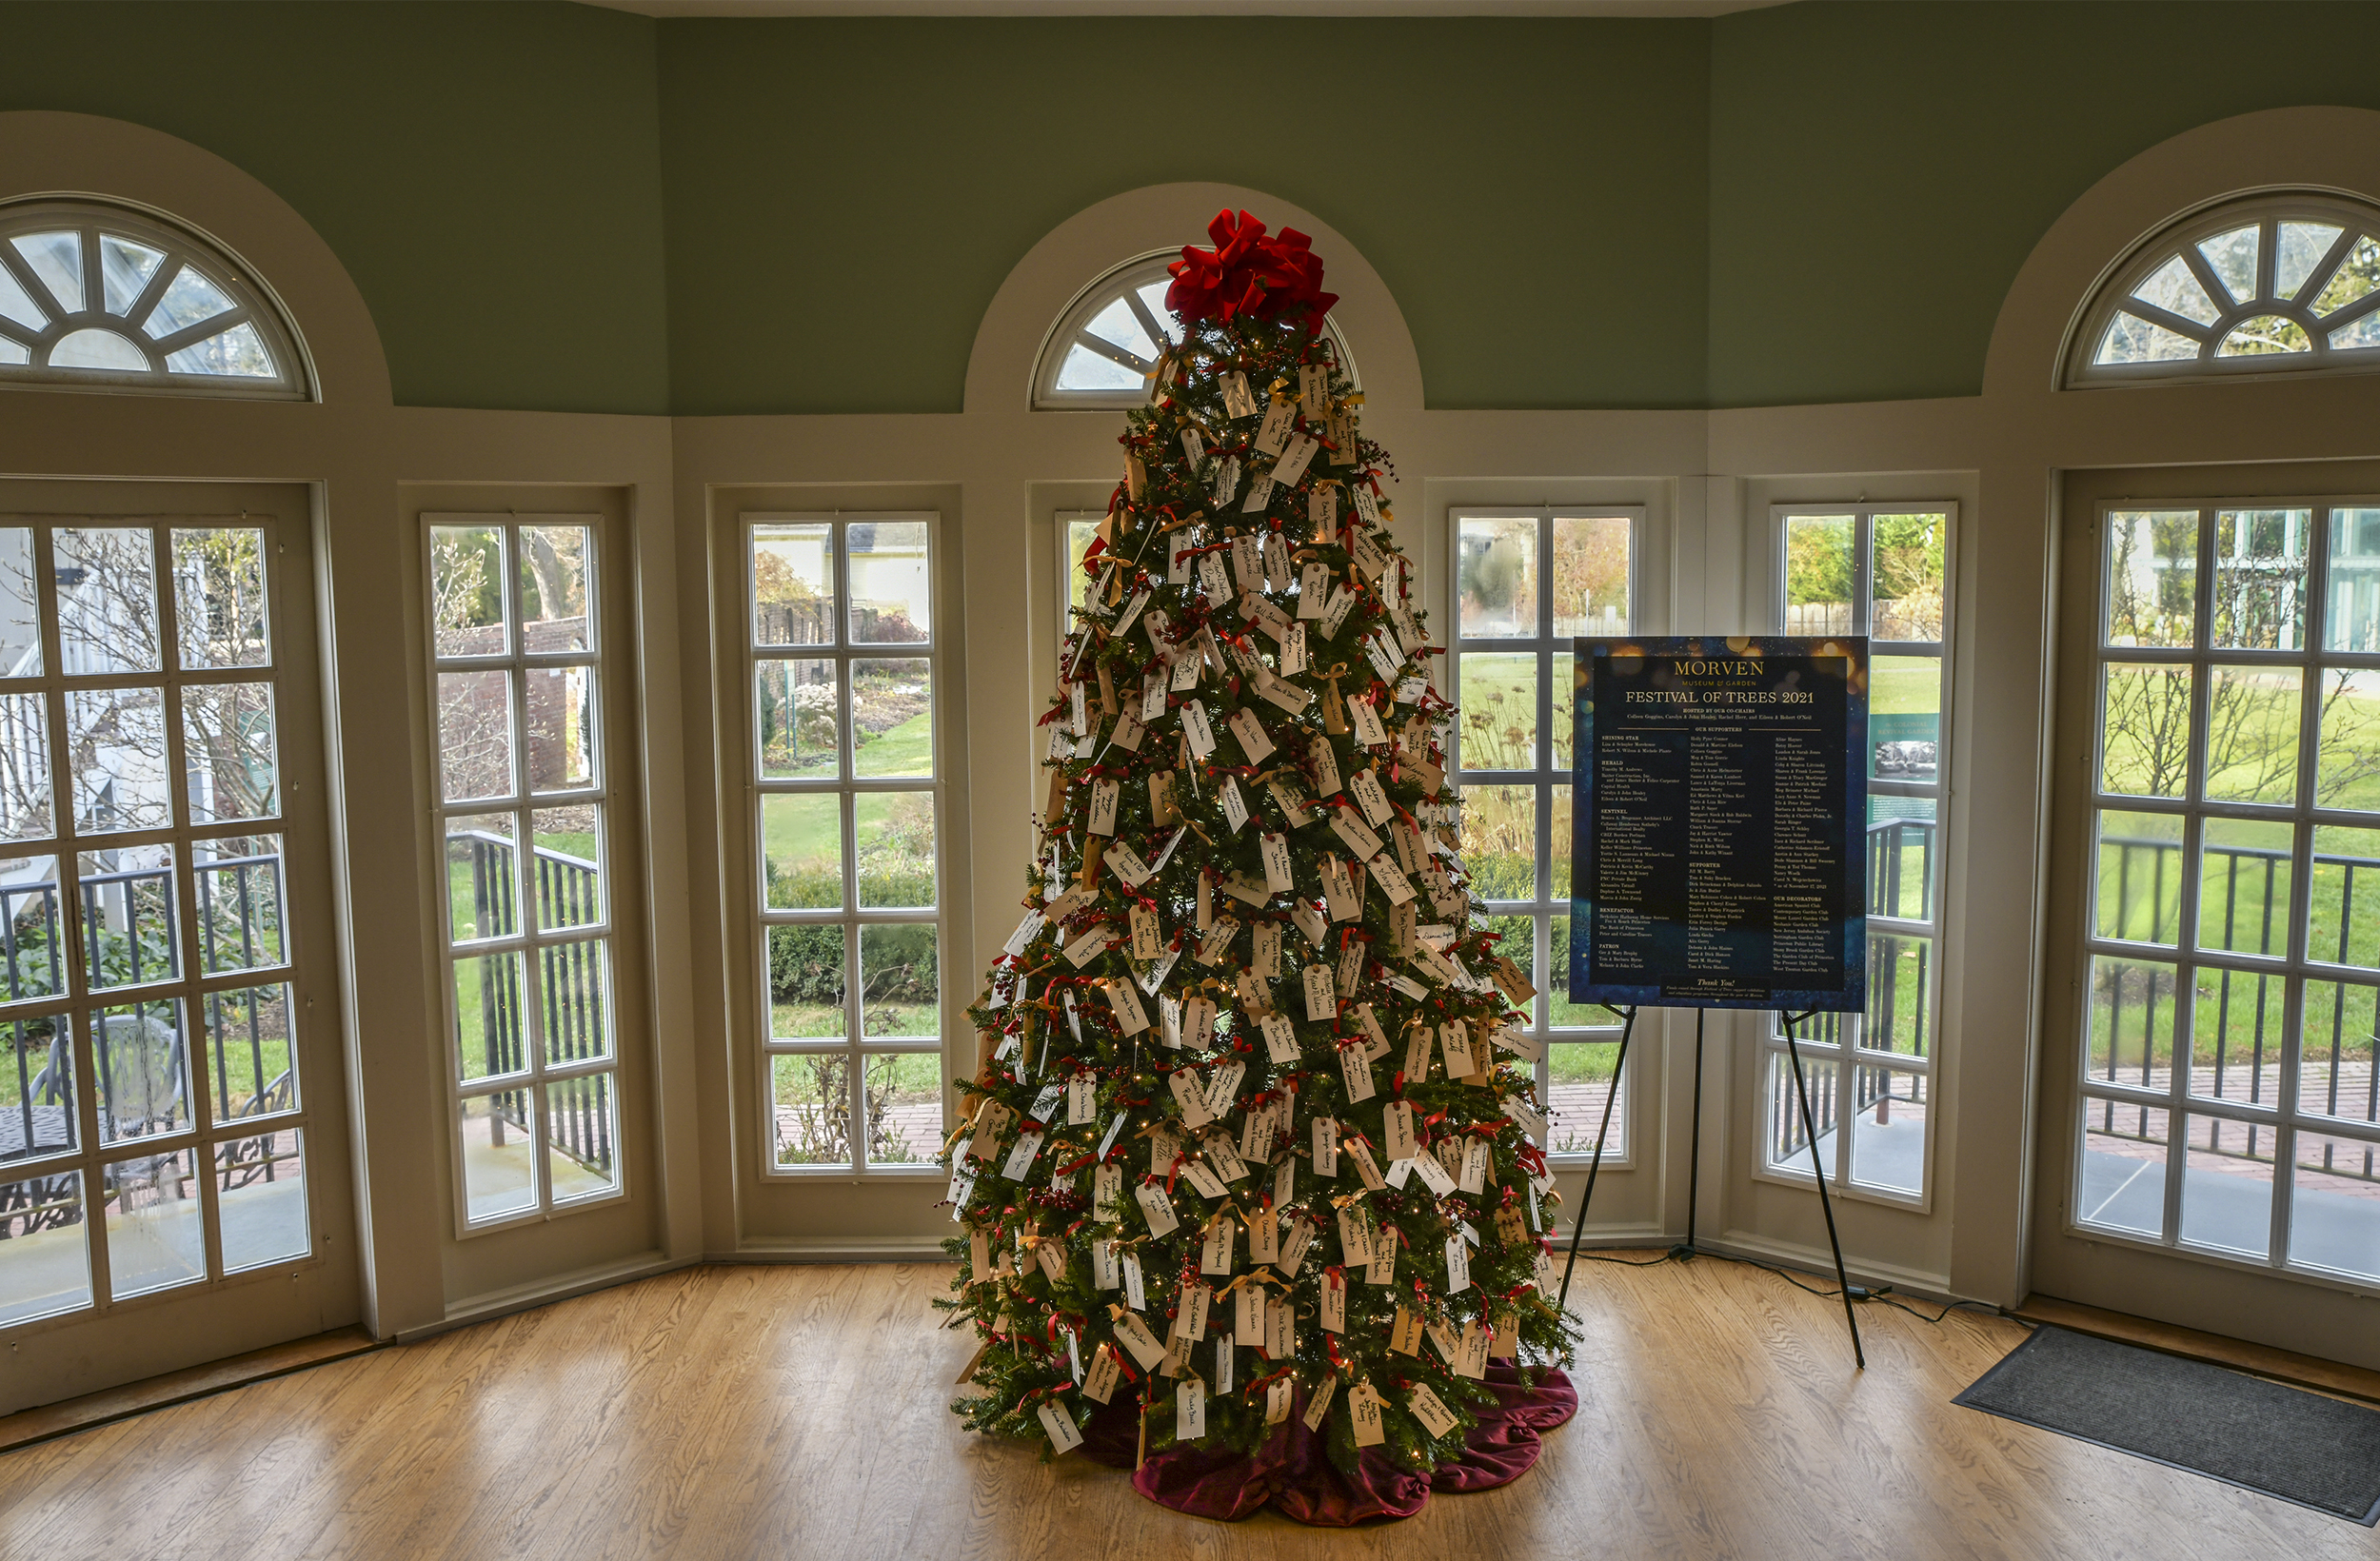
[570, 992]
[2244, 907]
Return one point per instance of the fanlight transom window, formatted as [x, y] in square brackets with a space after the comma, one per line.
[2262, 285]
[1106, 344]
[92, 295]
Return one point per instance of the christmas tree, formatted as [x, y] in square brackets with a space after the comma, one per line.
[1245, 1141]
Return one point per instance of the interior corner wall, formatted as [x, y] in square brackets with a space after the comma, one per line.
[1880, 170]
[489, 174]
[846, 194]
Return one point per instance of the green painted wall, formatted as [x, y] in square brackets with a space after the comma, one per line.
[846, 195]
[488, 173]
[561, 206]
[1879, 171]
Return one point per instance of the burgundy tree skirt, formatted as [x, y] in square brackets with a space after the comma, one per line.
[1292, 1473]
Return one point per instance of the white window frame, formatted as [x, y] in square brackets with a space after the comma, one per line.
[2182, 236]
[2292, 968]
[854, 1045]
[253, 298]
[1069, 330]
[1554, 656]
[205, 1127]
[1775, 1104]
[528, 939]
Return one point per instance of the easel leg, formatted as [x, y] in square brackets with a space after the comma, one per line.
[1693, 1161]
[1619, 1065]
[1809, 1130]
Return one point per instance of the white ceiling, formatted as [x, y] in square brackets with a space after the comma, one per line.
[1184, 8]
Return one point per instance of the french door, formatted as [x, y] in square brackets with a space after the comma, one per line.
[174, 1175]
[2215, 1159]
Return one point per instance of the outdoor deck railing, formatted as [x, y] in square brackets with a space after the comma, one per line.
[2245, 892]
[571, 987]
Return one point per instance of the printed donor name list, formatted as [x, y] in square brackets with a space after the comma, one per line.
[1717, 856]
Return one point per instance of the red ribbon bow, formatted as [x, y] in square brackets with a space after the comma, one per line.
[1249, 273]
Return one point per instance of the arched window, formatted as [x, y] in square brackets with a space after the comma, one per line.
[1105, 345]
[2272, 284]
[95, 295]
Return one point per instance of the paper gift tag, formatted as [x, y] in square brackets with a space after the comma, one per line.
[1350, 968]
[1313, 391]
[1381, 653]
[1277, 572]
[1224, 1358]
[1278, 877]
[1237, 401]
[1247, 563]
[1195, 727]
[1169, 1023]
[1318, 1402]
[1367, 506]
[1393, 887]
[1338, 890]
[1089, 945]
[1107, 1192]
[1507, 1343]
[1189, 1410]
[1355, 1069]
[1135, 1297]
[1020, 1157]
[1322, 512]
[1365, 788]
[1471, 1359]
[1294, 1245]
[1432, 1174]
[1193, 447]
[1247, 1323]
[1279, 1400]
[1083, 1096]
[1398, 1122]
[1203, 1180]
[1022, 938]
[1226, 487]
[1247, 890]
[1363, 1410]
[1064, 1436]
[1458, 1264]
[1365, 720]
[1456, 1048]
[1264, 1236]
[1099, 1384]
[1217, 940]
[1264, 948]
[1293, 809]
[1214, 1253]
[1130, 1017]
[1349, 828]
[1326, 1143]
[1404, 1336]
[1138, 1339]
[1336, 610]
[1260, 495]
[1254, 741]
[1280, 1037]
[1191, 1095]
[1291, 469]
[1274, 432]
[1418, 1040]
[1334, 1302]
[1326, 783]
[1429, 1411]
[1156, 1207]
[1370, 1024]
[1476, 1156]
[1053, 1260]
[1321, 998]
[1285, 1172]
[1510, 1228]
[1309, 922]
[1365, 1166]
[1197, 1023]
[1190, 1312]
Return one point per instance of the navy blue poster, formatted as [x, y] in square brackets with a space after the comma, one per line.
[1719, 791]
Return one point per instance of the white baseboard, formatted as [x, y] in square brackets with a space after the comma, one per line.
[836, 1249]
[499, 1303]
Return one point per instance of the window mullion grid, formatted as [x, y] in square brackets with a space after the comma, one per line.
[72, 1001]
[182, 882]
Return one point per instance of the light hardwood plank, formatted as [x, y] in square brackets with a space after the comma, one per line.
[752, 1410]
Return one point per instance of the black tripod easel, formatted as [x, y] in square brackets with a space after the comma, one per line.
[1809, 1128]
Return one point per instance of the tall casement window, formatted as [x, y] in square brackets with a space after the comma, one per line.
[1881, 571]
[2285, 283]
[1103, 351]
[153, 1123]
[96, 296]
[518, 651]
[2231, 1106]
[1527, 583]
[848, 813]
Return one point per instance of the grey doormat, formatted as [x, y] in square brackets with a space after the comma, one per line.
[2242, 1430]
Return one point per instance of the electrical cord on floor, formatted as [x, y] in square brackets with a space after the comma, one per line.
[1858, 1293]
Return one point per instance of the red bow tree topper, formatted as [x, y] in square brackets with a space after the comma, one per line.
[1249, 273]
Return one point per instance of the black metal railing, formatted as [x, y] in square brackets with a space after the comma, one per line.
[570, 990]
[2244, 907]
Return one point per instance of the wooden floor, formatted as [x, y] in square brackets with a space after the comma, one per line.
[787, 1411]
